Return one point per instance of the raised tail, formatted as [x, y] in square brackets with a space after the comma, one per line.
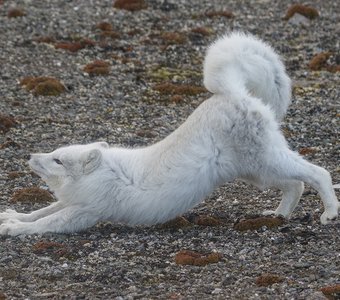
[240, 63]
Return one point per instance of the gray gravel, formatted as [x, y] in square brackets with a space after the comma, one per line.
[112, 261]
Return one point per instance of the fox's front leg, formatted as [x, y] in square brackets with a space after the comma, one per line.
[67, 220]
[10, 214]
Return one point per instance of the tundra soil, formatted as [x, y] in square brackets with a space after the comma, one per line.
[129, 105]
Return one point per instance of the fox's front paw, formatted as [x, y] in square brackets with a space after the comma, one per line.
[8, 214]
[269, 213]
[275, 213]
[11, 227]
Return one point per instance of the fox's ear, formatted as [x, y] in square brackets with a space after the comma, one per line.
[91, 160]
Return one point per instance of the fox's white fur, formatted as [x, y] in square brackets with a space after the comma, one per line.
[234, 134]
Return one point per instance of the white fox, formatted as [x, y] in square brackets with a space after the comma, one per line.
[233, 135]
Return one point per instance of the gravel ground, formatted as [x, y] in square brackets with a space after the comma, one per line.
[113, 261]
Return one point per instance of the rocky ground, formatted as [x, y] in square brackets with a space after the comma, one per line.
[131, 103]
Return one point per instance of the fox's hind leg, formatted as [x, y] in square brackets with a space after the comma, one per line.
[292, 191]
[284, 164]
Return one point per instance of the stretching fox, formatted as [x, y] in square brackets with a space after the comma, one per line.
[234, 134]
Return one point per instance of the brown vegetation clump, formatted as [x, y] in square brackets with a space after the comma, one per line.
[201, 30]
[177, 223]
[187, 257]
[54, 249]
[320, 62]
[176, 98]
[98, 67]
[304, 10]
[43, 86]
[221, 13]
[9, 143]
[268, 279]
[45, 39]
[172, 38]
[177, 89]
[131, 5]
[15, 174]
[207, 221]
[43, 246]
[307, 150]
[332, 291]
[6, 122]
[107, 30]
[257, 223]
[104, 26]
[32, 195]
[74, 46]
[15, 13]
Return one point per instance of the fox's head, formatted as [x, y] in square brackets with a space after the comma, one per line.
[67, 164]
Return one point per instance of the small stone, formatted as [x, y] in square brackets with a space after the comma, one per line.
[216, 291]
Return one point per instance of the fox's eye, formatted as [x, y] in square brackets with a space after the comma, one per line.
[57, 161]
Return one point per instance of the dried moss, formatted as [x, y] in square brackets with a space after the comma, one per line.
[304, 10]
[45, 246]
[45, 39]
[257, 223]
[9, 143]
[176, 98]
[104, 26]
[177, 223]
[131, 5]
[165, 74]
[187, 257]
[333, 68]
[32, 195]
[15, 13]
[220, 13]
[107, 30]
[320, 62]
[15, 174]
[49, 88]
[54, 249]
[6, 122]
[202, 31]
[146, 133]
[332, 292]
[203, 220]
[307, 150]
[74, 46]
[171, 38]
[268, 279]
[43, 86]
[98, 67]
[178, 89]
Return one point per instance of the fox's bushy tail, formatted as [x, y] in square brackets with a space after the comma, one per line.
[240, 63]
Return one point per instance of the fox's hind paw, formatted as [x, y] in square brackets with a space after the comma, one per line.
[330, 216]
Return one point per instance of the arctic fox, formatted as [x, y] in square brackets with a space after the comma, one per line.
[234, 134]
